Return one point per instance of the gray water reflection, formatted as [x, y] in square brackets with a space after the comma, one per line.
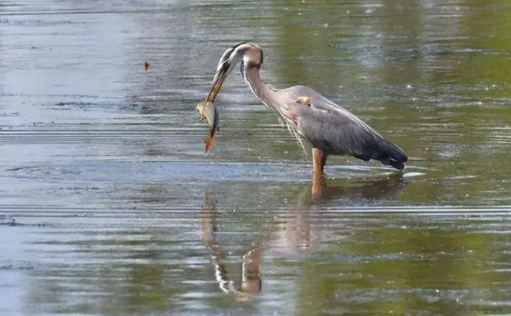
[305, 257]
[110, 207]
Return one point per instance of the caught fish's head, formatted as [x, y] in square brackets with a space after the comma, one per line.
[208, 112]
[200, 109]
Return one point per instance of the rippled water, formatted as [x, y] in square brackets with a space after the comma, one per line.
[109, 205]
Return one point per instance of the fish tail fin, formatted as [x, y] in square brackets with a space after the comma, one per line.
[209, 142]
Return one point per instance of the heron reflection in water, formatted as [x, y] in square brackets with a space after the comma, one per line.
[301, 232]
[309, 116]
[249, 282]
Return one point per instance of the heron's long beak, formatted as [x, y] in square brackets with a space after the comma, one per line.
[217, 83]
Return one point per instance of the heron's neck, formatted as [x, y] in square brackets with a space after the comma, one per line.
[257, 85]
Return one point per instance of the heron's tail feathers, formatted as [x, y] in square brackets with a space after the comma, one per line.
[384, 151]
[390, 154]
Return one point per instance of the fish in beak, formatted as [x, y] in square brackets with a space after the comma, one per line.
[207, 108]
[208, 113]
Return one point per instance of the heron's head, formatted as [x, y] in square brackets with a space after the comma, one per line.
[249, 54]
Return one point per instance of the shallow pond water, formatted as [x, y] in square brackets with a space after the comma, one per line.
[109, 205]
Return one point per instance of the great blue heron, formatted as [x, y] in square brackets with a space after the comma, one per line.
[329, 128]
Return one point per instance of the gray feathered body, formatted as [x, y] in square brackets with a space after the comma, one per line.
[335, 131]
[326, 125]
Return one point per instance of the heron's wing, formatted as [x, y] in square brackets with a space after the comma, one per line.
[318, 101]
[335, 130]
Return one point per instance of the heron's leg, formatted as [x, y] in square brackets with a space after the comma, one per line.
[323, 163]
[317, 172]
